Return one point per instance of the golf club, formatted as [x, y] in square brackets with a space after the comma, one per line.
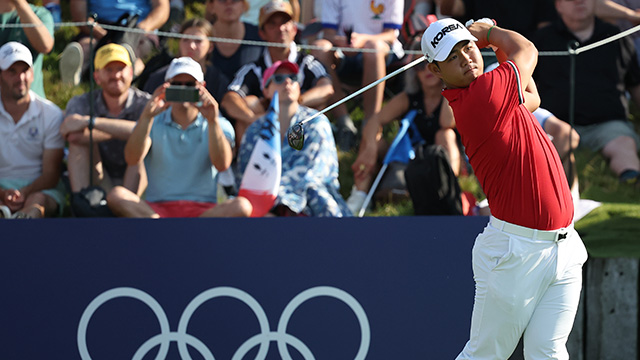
[295, 134]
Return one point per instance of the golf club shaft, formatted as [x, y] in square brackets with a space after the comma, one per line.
[345, 99]
[367, 200]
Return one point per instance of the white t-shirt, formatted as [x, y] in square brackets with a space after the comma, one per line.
[22, 144]
[364, 16]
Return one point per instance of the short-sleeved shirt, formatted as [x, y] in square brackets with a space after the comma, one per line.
[18, 34]
[216, 81]
[22, 144]
[309, 183]
[364, 17]
[178, 164]
[513, 159]
[110, 11]
[602, 74]
[111, 151]
[248, 80]
[245, 54]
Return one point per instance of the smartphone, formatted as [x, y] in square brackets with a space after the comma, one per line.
[181, 93]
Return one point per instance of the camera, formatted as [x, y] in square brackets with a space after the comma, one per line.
[181, 93]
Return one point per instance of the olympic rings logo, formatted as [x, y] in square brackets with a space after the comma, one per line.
[263, 339]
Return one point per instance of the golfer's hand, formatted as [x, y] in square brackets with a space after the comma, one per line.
[480, 29]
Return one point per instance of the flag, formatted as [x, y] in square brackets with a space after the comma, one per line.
[261, 178]
[401, 149]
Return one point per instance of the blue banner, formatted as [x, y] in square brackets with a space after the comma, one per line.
[372, 288]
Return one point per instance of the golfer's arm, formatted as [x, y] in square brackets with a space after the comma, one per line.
[517, 49]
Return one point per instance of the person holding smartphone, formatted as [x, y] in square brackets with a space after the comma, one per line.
[184, 143]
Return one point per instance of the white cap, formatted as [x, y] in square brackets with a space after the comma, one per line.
[441, 36]
[14, 51]
[184, 65]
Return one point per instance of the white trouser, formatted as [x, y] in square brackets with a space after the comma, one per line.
[527, 281]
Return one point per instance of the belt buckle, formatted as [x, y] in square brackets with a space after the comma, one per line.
[561, 235]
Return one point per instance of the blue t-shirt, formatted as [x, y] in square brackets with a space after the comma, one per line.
[178, 164]
[111, 10]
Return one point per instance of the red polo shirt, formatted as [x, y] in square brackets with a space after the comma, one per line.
[514, 160]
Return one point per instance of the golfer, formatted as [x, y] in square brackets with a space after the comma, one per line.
[527, 263]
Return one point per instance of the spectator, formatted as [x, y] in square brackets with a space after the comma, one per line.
[116, 107]
[39, 38]
[359, 25]
[152, 14]
[309, 184]
[244, 101]
[199, 50]
[225, 17]
[602, 74]
[184, 146]
[623, 13]
[251, 16]
[524, 17]
[31, 150]
[434, 122]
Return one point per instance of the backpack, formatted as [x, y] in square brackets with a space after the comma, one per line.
[432, 185]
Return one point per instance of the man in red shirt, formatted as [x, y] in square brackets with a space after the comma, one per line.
[527, 262]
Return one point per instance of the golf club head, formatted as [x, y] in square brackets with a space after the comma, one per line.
[295, 136]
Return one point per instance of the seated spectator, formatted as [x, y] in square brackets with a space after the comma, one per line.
[31, 149]
[199, 50]
[244, 101]
[184, 145]
[359, 25]
[39, 39]
[251, 16]
[309, 183]
[225, 17]
[434, 122]
[116, 107]
[565, 139]
[152, 14]
[602, 74]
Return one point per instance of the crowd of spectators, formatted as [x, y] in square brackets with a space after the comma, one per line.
[133, 149]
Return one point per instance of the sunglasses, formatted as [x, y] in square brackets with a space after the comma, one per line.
[181, 83]
[281, 78]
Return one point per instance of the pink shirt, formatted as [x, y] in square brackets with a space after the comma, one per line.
[514, 160]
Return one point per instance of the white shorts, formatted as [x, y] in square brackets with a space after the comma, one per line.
[528, 283]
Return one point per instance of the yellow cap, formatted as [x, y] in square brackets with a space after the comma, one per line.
[111, 52]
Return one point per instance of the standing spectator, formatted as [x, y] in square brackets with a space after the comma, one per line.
[200, 50]
[152, 14]
[38, 38]
[184, 146]
[31, 149]
[309, 184]
[116, 107]
[244, 102]
[602, 75]
[225, 17]
[359, 25]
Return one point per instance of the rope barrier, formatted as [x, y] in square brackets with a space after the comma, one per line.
[306, 46]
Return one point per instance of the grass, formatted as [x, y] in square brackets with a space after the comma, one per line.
[611, 230]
